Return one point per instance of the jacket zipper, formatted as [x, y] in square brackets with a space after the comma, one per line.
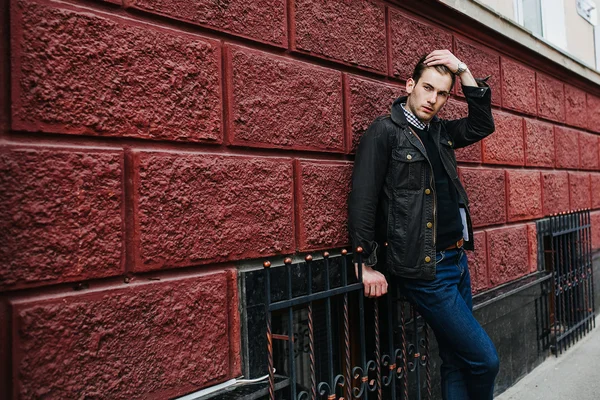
[432, 184]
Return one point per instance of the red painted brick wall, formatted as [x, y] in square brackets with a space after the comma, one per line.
[148, 145]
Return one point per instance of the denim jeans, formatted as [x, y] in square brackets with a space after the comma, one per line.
[469, 359]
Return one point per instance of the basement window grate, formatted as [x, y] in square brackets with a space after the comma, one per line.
[567, 307]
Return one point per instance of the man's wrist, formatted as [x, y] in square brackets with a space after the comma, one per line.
[461, 68]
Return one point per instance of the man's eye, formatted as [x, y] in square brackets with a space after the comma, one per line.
[428, 88]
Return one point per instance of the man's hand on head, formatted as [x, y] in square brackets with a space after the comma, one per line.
[449, 60]
[374, 281]
[442, 57]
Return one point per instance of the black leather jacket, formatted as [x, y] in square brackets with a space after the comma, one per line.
[393, 189]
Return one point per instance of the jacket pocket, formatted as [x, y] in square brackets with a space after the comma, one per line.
[408, 168]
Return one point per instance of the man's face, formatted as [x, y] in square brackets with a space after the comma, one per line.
[427, 96]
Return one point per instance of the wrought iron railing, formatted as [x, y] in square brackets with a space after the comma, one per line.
[330, 342]
[569, 312]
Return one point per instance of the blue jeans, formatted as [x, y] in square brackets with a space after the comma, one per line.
[469, 359]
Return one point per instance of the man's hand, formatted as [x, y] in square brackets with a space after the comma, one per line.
[445, 57]
[374, 281]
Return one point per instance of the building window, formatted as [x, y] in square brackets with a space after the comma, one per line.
[544, 18]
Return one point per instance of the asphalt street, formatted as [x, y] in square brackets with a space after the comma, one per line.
[574, 375]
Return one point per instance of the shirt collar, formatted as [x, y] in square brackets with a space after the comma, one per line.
[412, 119]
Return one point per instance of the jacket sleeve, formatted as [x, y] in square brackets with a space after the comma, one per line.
[368, 176]
[479, 123]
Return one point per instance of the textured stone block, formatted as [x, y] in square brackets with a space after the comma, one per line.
[588, 150]
[262, 20]
[197, 208]
[524, 194]
[579, 186]
[518, 82]
[550, 98]
[478, 264]
[349, 31]
[575, 107]
[595, 217]
[487, 195]
[566, 142]
[507, 254]
[593, 113]
[367, 100]
[470, 154]
[323, 204]
[555, 186]
[482, 63]
[140, 341]
[506, 144]
[454, 109]
[76, 72]
[532, 244]
[412, 39]
[595, 184]
[61, 215]
[278, 102]
[539, 143]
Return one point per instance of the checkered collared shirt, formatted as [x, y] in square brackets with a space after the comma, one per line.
[413, 120]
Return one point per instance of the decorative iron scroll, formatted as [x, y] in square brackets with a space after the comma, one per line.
[333, 343]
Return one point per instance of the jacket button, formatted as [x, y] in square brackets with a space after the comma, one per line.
[427, 191]
[427, 259]
[450, 142]
[409, 157]
[429, 224]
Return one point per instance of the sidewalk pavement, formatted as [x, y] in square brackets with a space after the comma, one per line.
[574, 375]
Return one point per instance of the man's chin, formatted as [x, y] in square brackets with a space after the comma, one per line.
[425, 118]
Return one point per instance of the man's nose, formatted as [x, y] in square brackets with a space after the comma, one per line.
[432, 98]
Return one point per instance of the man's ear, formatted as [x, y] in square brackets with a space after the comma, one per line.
[410, 85]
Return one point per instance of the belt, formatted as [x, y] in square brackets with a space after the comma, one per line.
[456, 245]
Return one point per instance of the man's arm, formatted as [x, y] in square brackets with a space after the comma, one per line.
[479, 123]
[368, 176]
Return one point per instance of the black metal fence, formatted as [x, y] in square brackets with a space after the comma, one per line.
[325, 340]
[568, 312]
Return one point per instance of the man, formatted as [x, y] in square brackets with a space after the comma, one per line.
[409, 210]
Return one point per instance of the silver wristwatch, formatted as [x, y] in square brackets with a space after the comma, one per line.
[462, 67]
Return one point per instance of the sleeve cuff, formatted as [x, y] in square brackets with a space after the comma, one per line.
[477, 92]
[371, 259]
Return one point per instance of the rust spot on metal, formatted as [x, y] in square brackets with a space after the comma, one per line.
[308, 257]
[365, 378]
[267, 264]
[392, 367]
[359, 249]
[326, 254]
[287, 260]
[417, 355]
[344, 252]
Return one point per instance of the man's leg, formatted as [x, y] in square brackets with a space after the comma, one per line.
[469, 357]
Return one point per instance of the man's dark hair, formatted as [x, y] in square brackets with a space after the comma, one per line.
[421, 66]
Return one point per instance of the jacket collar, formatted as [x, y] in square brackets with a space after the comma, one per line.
[397, 114]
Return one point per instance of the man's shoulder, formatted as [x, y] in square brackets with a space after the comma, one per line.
[383, 122]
